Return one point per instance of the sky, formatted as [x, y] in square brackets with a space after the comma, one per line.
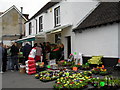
[29, 6]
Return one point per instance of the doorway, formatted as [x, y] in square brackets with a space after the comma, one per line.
[68, 45]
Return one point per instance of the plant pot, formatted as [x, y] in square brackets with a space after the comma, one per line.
[75, 68]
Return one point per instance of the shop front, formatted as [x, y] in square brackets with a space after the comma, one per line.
[32, 39]
[59, 35]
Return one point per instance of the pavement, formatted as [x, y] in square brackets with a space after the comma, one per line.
[19, 80]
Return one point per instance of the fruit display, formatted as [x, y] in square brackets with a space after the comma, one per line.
[100, 70]
[95, 60]
[72, 80]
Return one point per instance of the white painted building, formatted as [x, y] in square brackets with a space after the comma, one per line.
[59, 20]
[98, 34]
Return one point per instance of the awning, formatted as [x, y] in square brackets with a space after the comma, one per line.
[58, 29]
[27, 39]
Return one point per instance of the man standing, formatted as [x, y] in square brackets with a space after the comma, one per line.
[14, 55]
[1, 56]
[4, 58]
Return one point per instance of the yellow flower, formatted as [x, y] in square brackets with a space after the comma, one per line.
[65, 84]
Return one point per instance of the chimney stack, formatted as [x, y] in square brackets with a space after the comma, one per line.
[21, 9]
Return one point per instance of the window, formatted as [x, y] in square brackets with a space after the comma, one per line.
[41, 24]
[57, 16]
[30, 28]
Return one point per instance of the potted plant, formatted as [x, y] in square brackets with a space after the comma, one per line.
[85, 66]
[95, 71]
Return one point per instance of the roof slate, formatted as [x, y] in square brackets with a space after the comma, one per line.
[106, 12]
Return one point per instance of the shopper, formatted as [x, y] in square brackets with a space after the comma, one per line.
[48, 49]
[32, 53]
[1, 56]
[4, 65]
[38, 53]
[9, 58]
[14, 55]
[44, 52]
[34, 45]
[61, 46]
[26, 50]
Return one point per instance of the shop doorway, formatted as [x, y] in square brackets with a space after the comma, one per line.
[68, 45]
[58, 38]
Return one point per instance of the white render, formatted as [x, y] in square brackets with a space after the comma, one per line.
[119, 40]
[71, 13]
[96, 41]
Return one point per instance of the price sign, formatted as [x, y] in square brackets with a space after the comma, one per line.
[52, 62]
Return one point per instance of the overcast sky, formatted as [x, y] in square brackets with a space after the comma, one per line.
[29, 6]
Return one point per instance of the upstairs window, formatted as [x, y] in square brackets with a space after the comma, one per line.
[41, 24]
[30, 28]
[57, 16]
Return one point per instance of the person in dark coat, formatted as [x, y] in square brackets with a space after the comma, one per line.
[14, 55]
[4, 58]
[26, 50]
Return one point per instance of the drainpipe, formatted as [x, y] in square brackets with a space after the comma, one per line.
[21, 22]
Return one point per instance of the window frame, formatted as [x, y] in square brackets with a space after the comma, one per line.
[57, 19]
[41, 24]
[30, 28]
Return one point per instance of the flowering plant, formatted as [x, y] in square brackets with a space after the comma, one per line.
[99, 70]
[72, 80]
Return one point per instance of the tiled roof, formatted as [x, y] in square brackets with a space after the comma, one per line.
[105, 13]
